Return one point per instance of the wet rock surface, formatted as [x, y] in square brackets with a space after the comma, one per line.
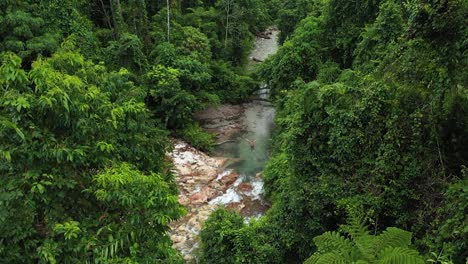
[222, 121]
[265, 45]
[204, 184]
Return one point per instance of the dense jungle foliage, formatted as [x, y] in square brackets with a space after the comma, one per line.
[90, 92]
[372, 124]
[369, 155]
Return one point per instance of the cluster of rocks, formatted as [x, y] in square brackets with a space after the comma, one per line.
[222, 121]
[203, 182]
[268, 33]
[265, 45]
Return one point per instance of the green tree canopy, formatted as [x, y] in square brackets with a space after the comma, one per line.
[78, 147]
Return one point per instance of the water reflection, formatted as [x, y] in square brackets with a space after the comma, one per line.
[258, 121]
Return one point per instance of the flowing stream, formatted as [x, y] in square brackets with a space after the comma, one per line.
[231, 176]
[251, 148]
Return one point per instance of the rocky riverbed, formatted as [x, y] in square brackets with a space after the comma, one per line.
[204, 183]
[223, 121]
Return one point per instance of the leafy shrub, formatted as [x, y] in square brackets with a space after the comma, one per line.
[170, 102]
[451, 232]
[197, 137]
[218, 237]
[227, 239]
[231, 87]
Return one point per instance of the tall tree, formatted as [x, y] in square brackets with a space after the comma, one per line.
[228, 9]
[168, 22]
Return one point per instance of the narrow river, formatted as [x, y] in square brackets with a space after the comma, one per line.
[251, 148]
[251, 151]
[231, 176]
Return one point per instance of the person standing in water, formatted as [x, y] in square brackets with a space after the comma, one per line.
[251, 143]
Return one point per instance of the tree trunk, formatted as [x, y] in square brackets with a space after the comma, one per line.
[228, 7]
[107, 17]
[168, 23]
[144, 27]
[117, 17]
[114, 20]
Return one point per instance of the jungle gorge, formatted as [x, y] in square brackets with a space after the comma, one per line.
[234, 131]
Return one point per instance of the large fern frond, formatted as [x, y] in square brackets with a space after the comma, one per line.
[398, 255]
[330, 241]
[362, 262]
[355, 227]
[333, 241]
[365, 244]
[327, 258]
[313, 259]
[390, 247]
[361, 237]
[392, 237]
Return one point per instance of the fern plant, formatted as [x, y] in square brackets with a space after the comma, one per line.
[360, 247]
